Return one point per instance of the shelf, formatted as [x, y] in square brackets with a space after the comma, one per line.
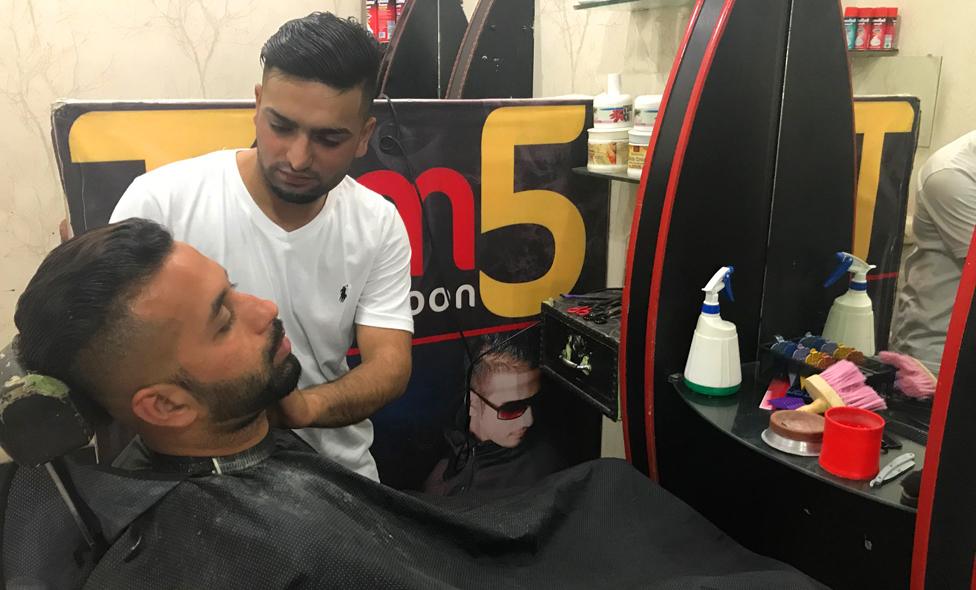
[644, 4]
[740, 417]
[874, 53]
[621, 176]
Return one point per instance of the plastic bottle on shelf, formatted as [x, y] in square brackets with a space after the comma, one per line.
[879, 17]
[891, 21]
[391, 19]
[850, 25]
[613, 109]
[862, 30]
[386, 17]
[851, 317]
[713, 366]
[372, 15]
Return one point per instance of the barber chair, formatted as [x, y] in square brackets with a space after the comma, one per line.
[49, 538]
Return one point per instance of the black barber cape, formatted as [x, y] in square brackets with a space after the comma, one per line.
[473, 466]
[282, 516]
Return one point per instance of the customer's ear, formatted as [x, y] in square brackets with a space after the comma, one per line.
[166, 405]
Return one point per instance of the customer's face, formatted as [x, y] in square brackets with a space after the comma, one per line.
[501, 387]
[226, 348]
[308, 134]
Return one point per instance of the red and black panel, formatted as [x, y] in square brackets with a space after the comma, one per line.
[812, 210]
[945, 526]
[752, 165]
[418, 61]
[688, 68]
[496, 55]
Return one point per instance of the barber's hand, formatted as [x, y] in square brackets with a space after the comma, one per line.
[64, 229]
[296, 410]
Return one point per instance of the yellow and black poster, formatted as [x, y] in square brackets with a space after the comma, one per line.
[886, 128]
[496, 219]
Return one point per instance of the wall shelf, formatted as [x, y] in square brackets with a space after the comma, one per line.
[872, 53]
[621, 176]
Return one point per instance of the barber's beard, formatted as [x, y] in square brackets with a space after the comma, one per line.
[321, 188]
[235, 403]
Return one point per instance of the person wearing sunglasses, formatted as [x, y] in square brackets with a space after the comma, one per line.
[494, 446]
[503, 387]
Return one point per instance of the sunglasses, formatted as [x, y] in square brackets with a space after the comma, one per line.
[509, 410]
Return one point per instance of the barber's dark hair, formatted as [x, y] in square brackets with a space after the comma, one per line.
[325, 48]
[73, 316]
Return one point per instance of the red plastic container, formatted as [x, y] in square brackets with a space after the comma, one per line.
[851, 443]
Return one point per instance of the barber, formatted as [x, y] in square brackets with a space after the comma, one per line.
[945, 215]
[289, 225]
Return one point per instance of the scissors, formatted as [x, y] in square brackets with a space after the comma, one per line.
[580, 310]
[604, 313]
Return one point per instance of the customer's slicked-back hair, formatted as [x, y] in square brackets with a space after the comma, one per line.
[325, 48]
[74, 318]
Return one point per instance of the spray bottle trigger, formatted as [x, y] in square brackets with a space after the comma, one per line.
[845, 262]
[728, 283]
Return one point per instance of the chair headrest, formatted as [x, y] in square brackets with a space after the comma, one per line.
[39, 421]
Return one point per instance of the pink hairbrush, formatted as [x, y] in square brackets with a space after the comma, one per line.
[913, 378]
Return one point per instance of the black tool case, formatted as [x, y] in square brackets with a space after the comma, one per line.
[582, 354]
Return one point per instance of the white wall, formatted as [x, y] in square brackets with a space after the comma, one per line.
[940, 28]
[209, 48]
[578, 48]
[108, 49]
[943, 28]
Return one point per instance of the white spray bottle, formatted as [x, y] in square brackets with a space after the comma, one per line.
[851, 317]
[713, 366]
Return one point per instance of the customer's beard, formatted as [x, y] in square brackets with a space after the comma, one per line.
[235, 403]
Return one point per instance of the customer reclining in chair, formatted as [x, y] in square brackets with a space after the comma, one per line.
[156, 334]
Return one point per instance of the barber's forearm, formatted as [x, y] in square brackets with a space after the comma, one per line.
[358, 394]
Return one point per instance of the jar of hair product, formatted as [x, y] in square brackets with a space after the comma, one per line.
[613, 109]
[637, 151]
[645, 111]
[607, 150]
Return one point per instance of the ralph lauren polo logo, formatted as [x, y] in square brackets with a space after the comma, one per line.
[342, 293]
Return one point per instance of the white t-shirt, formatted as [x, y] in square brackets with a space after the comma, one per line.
[945, 214]
[349, 265]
